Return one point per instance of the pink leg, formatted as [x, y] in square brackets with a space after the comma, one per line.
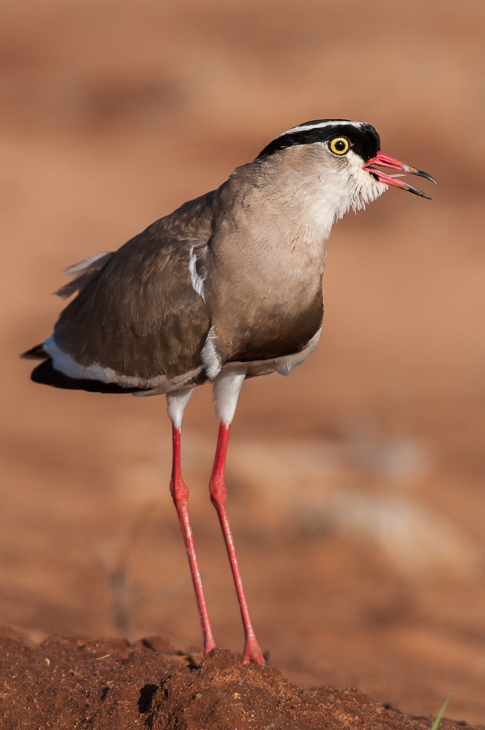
[218, 492]
[180, 495]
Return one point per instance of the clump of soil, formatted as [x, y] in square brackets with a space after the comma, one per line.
[108, 684]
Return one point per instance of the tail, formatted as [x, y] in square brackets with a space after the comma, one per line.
[46, 374]
[36, 353]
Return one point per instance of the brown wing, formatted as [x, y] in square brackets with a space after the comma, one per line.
[140, 314]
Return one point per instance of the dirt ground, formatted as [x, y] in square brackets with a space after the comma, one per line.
[101, 684]
[356, 485]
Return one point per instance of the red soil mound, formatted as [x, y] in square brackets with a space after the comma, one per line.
[65, 683]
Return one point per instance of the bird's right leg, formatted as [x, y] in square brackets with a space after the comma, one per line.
[226, 393]
[176, 403]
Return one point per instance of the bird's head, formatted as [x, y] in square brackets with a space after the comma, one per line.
[348, 154]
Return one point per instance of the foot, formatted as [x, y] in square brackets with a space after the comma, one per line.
[253, 653]
[209, 644]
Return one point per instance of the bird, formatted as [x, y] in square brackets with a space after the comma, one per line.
[226, 287]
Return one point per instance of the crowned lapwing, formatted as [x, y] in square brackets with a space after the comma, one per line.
[227, 287]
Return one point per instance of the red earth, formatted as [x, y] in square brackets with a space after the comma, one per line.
[112, 684]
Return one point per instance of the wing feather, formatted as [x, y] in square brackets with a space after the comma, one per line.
[139, 314]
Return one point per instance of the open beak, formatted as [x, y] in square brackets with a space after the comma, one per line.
[386, 161]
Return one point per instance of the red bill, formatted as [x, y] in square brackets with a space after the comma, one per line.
[383, 160]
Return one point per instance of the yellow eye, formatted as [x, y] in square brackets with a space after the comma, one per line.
[340, 145]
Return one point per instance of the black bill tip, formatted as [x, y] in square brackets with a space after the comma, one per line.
[419, 173]
[415, 191]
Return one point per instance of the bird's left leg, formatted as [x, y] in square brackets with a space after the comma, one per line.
[176, 403]
[226, 392]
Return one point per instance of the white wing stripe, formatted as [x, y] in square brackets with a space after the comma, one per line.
[197, 282]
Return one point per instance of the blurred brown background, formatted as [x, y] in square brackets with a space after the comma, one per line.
[356, 486]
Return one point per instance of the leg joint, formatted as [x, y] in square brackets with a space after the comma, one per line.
[179, 491]
[218, 491]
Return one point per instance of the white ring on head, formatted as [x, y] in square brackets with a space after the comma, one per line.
[322, 125]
